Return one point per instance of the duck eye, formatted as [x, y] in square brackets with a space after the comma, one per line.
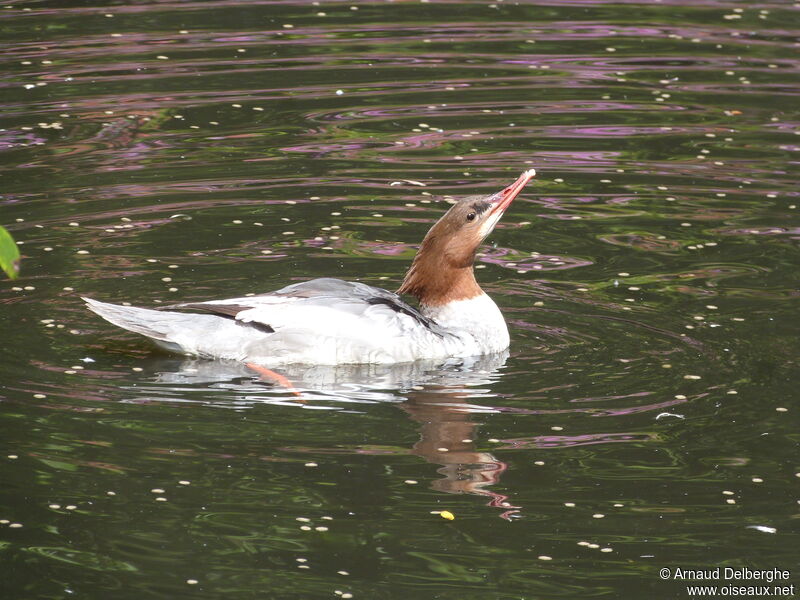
[471, 216]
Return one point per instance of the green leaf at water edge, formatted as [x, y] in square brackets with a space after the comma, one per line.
[9, 254]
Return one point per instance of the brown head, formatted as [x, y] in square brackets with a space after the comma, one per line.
[442, 269]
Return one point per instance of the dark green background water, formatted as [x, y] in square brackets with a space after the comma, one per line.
[645, 418]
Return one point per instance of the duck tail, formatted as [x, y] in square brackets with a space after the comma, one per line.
[148, 322]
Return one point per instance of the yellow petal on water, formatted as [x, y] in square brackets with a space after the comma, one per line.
[446, 514]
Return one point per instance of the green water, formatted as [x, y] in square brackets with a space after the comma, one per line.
[644, 418]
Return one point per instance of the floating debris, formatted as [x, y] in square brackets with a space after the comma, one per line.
[763, 528]
[408, 181]
[669, 414]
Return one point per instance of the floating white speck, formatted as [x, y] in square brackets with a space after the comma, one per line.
[763, 528]
[408, 181]
[669, 414]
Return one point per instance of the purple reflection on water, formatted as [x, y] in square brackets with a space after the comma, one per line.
[543, 442]
[12, 138]
[510, 259]
[793, 231]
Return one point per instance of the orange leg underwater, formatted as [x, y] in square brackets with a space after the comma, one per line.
[269, 375]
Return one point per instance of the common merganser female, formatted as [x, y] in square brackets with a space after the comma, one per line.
[329, 321]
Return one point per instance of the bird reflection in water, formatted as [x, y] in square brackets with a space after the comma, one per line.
[442, 398]
[447, 438]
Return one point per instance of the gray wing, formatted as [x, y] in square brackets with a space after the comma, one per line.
[336, 294]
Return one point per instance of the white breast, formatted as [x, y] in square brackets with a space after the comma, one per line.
[477, 321]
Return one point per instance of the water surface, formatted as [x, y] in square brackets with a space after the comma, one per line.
[644, 418]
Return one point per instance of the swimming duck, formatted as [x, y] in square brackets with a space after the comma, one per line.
[329, 321]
